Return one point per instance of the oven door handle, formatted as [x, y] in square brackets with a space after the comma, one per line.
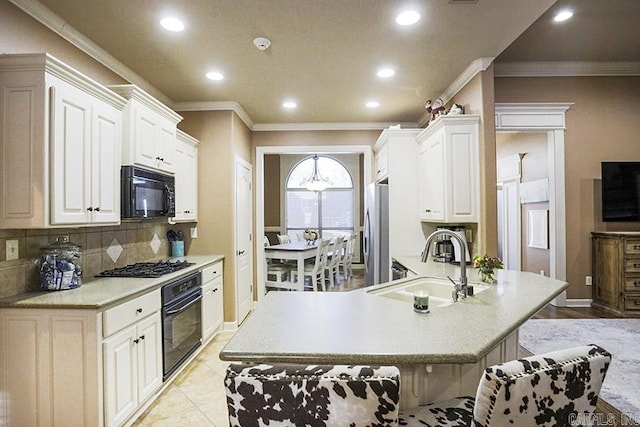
[183, 307]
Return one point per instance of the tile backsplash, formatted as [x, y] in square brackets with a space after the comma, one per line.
[103, 248]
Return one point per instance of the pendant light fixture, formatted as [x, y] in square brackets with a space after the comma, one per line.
[316, 182]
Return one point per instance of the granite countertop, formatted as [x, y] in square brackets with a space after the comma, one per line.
[101, 293]
[358, 328]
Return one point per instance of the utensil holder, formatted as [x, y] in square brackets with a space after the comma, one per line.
[177, 248]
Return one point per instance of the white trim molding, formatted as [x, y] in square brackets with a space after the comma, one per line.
[566, 69]
[548, 118]
[270, 127]
[531, 116]
[216, 106]
[579, 302]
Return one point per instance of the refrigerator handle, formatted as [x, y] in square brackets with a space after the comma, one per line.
[365, 234]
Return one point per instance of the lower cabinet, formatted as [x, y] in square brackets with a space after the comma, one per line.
[212, 300]
[132, 368]
[616, 272]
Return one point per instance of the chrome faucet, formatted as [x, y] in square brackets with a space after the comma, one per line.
[460, 286]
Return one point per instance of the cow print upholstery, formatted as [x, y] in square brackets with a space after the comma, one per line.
[554, 389]
[316, 395]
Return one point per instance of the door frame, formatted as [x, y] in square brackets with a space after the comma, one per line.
[239, 162]
[550, 119]
[367, 177]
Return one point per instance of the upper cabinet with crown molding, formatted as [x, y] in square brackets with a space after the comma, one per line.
[449, 180]
[186, 161]
[149, 137]
[60, 142]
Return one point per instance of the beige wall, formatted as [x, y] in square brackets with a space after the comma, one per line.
[602, 125]
[20, 33]
[477, 97]
[222, 136]
[272, 190]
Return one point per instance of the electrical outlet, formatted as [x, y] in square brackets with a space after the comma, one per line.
[12, 250]
[194, 232]
[588, 281]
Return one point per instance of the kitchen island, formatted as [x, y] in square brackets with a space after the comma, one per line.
[440, 354]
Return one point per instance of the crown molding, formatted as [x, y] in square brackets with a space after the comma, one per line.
[216, 106]
[271, 127]
[46, 17]
[477, 66]
[566, 69]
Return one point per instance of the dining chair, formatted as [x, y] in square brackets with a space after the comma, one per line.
[276, 272]
[315, 271]
[318, 395]
[346, 263]
[334, 257]
[284, 238]
[559, 388]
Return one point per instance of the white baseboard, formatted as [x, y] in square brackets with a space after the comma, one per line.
[560, 300]
[230, 326]
[579, 302]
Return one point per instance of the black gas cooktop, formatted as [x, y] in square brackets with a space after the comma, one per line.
[146, 269]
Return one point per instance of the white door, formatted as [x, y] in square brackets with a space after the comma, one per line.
[243, 249]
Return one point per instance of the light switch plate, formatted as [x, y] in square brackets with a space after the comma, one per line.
[194, 232]
[12, 250]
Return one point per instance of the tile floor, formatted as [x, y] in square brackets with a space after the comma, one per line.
[197, 397]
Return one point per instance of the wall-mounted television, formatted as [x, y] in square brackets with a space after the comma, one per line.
[621, 191]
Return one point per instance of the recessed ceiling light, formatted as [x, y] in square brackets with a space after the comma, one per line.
[372, 104]
[172, 24]
[214, 75]
[385, 73]
[289, 105]
[563, 15]
[409, 17]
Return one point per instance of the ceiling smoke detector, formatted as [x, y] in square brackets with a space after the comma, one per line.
[262, 43]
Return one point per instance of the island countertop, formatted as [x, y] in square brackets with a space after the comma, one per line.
[359, 328]
[104, 292]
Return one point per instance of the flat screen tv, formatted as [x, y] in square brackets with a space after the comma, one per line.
[621, 191]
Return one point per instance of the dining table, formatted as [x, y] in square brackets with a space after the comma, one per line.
[295, 251]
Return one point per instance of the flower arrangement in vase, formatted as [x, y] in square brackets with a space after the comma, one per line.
[486, 265]
[310, 236]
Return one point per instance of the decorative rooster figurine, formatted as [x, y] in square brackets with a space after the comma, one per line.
[434, 109]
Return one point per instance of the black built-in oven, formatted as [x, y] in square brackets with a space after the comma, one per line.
[146, 194]
[181, 321]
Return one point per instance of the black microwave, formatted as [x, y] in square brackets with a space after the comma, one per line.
[146, 194]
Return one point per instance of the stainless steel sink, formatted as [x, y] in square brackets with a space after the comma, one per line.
[439, 290]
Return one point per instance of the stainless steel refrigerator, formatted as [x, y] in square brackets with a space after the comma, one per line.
[376, 234]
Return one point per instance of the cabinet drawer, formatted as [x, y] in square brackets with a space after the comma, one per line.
[129, 312]
[632, 265]
[632, 284]
[632, 247]
[632, 302]
[214, 271]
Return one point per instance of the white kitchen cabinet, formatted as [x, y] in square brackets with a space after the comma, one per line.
[60, 133]
[212, 300]
[381, 161]
[50, 371]
[186, 178]
[398, 149]
[449, 170]
[132, 356]
[149, 137]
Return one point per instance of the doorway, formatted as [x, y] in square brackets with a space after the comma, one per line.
[548, 118]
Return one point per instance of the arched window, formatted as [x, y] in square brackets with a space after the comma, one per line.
[330, 211]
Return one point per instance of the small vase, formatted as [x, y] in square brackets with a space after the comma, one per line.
[487, 277]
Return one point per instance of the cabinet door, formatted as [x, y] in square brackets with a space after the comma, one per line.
[105, 164]
[432, 185]
[461, 165]
[149, 348]
[145, 134]
[218, 303]
[166, 146]
[607, 271]
[71, 161]
[191, 162]
[120, 376]
[382, 162]
[208, 311]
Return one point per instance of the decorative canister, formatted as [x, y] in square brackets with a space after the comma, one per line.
[60, 265]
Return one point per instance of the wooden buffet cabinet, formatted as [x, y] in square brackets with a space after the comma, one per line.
[616, 272]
